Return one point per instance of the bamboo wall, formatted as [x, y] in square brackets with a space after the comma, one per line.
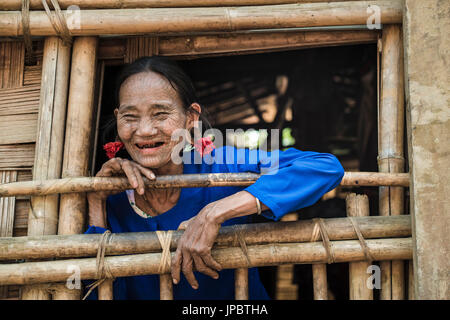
[20, 91]
[19, 106]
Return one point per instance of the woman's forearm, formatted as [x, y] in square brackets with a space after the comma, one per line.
[97, 211]
[239, 204]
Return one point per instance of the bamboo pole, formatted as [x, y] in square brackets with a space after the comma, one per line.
[78, 134]
[165, 287]
[228, 258]
[90, 184]
[390, 150]
[320, 284]
[85, 245]
[241, 284]
[218, 19]
[410, 280]
[105, 290]
[239, 43]
[358, 206]
[43, 215]
[246, 43]
[108, 4]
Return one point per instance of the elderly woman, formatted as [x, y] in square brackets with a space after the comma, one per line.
[156, 98]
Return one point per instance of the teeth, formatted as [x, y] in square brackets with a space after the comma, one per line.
[149, 145]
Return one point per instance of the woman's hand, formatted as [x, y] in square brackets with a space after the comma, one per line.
[194, 247]
[123, 167]
[115, 167]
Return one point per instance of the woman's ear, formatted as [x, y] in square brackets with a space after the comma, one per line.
[116, 111]
[193, 114]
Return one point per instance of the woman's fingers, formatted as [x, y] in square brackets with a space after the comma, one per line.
[146, 172]
[203, 268]
[186, 267]
[210, 262]
[128, 169]
[110, 167]
[141, 186]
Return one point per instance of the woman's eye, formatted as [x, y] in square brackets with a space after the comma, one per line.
[129, 117]
[159, 114]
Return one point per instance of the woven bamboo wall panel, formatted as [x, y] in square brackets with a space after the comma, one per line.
[19, 100]
[12, 55]
[32, 75]
[18, 128]
[21, 218]
[17, 156]
[7, 205]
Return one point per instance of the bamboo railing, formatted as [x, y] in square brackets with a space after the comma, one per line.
[213, 19]
[85, 245]
[102, 4]
[89, 184]
[228, 257]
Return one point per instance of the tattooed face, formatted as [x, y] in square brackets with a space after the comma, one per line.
[149, 112]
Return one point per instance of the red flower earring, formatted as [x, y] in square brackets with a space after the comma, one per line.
[204, 146]
[112, 148]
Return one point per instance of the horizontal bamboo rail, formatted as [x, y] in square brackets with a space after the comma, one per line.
[85, 245]
[90, 184]
[214, 19]
[229, 258]
[241, 43]
[108, 4]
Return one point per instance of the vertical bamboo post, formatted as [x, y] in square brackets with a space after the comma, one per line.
[105, 290]
[320, 284]
[241, 284]
[390, 147]
[78, 136]
[410, 280]
[43, 215]
[358, 206]
[165, 287]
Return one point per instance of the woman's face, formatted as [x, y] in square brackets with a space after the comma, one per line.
[150, 110]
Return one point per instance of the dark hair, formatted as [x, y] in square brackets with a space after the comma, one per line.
[168, 68]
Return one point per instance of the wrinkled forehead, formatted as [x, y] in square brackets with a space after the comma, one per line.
[149, 88]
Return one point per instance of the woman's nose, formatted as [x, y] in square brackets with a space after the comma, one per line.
[146, 128]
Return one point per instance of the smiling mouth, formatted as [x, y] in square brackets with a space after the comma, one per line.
[149, 145]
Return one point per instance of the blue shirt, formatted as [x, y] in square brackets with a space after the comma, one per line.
[290, 180]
